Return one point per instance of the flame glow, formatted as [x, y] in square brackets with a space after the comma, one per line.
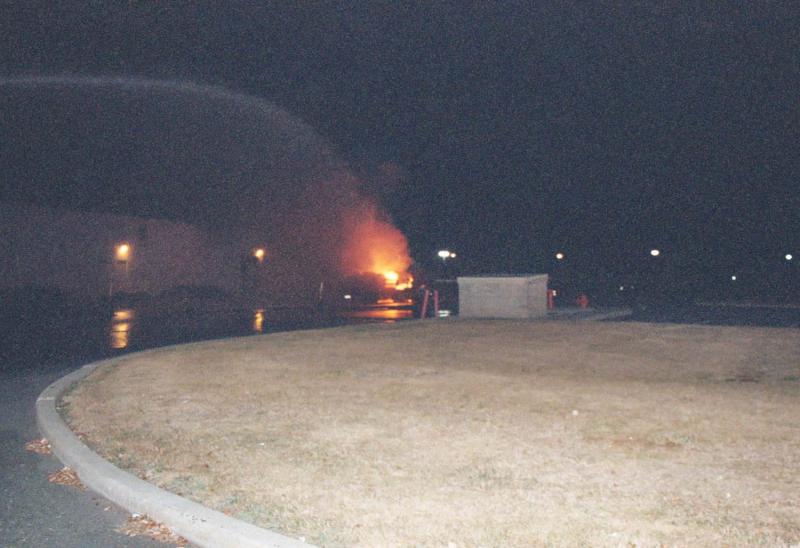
[408, 284]
[375, 246]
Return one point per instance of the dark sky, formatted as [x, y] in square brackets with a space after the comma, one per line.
[602, 129]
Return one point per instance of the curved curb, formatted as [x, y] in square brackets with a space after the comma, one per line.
[198, 524]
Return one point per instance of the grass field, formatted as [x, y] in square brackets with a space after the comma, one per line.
[471, 433]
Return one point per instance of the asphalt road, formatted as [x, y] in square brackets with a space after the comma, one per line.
[721, 314]
[34, 512]
[34, 352]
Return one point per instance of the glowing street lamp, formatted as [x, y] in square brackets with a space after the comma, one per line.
[445, 254]
[559, 256]
[788, 257]
[733, 278]
[122, 252]
[655, 252]
[259, 254]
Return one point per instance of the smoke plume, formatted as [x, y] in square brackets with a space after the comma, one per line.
[239, 166]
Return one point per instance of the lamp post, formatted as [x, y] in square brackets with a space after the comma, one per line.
[122, 254]
[444, 255]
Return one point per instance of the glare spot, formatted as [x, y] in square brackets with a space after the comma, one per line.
[258, 320]
[123, 314]
[123, 252]
[121, 328]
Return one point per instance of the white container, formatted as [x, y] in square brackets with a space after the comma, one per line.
[522, 296]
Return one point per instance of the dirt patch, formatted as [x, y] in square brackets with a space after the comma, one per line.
[475, 433]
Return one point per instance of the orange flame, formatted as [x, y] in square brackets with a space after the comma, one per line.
[376, 246]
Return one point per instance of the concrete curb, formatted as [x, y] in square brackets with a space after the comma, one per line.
[590, 314]
[198, 524]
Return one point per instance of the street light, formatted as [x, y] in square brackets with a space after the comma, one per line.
[655, 252]
[445, 254]
[122, 252]
[788, 257]
[259, 254]
[559, 256]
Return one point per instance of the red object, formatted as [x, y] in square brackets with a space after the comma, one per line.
[424, 311]
[551, 299]
[583, 300]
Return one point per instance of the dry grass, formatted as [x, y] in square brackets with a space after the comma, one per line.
[475, 433]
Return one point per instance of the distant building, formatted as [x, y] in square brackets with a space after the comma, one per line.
[97, 254]
[503, 296]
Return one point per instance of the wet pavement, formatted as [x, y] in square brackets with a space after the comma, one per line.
[732, 314]
[739, 314]
[34, 512]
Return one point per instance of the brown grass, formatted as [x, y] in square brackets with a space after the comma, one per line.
[471, 433]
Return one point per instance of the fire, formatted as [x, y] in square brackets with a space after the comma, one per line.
[408, 284]
[375, 246]
[393, 280]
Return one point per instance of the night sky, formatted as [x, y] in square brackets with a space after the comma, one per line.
[510, 130]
